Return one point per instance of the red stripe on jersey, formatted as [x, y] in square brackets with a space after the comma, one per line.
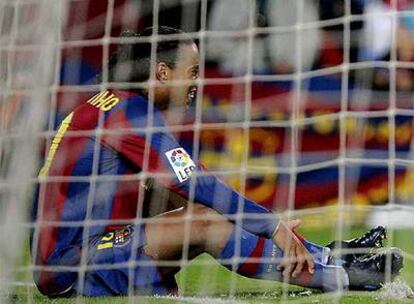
[67, 155]
[86, 117]
[53, 208]
[125, 202]
[252, 268]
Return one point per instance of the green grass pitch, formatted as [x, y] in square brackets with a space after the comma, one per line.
[205, 281]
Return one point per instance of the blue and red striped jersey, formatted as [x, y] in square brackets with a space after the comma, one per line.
[99, 155]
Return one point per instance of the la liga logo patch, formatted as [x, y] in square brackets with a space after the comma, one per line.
[179, 158]
[181, 163]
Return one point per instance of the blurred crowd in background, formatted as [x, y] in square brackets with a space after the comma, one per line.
[278, 47]
[320, 52]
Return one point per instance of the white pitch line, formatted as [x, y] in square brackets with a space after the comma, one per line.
[201, 300]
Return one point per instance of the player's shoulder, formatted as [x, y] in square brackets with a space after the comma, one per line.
[126, 107]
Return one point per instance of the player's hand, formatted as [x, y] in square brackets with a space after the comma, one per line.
[295, 254]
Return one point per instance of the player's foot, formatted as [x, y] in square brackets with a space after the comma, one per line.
[372, 239]
[371, 272]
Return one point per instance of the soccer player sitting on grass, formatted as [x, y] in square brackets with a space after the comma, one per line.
[114, 212]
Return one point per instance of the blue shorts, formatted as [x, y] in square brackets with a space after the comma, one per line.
[108, 273]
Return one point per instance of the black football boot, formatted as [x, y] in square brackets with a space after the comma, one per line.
[372, 239]
[371, 272]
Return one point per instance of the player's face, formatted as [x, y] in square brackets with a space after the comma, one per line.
[185, 70]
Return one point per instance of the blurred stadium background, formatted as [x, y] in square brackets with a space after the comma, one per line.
[328, 95]
[374, 83]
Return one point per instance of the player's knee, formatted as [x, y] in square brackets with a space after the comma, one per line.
[52, 281]
[199, 209]
[212, 228]
[51, 284]
[205, 216]
[206, 219]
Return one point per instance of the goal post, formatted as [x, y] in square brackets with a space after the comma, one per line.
[29, 63]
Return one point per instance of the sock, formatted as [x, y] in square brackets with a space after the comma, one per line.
[259, 258]
[256, 257]
[320, 253]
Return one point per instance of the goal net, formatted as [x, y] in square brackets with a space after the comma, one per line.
[303, 106]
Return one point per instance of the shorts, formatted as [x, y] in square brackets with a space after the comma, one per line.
[108, 273]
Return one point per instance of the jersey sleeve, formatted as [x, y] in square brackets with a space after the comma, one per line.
[173, 167]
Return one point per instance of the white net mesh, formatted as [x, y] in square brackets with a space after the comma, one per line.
[29, 66]
[303, 106]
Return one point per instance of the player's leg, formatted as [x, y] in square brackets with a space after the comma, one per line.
[203, 228]
[235, 248]
[166, 236]
[337, 252]
[257, 257]
[133, 259]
